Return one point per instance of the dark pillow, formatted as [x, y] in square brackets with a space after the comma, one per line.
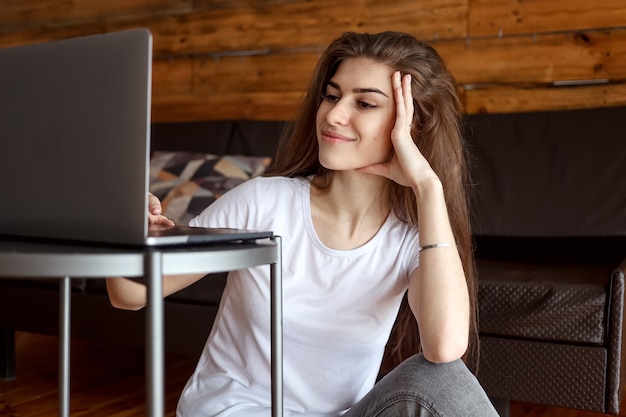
[187, 182]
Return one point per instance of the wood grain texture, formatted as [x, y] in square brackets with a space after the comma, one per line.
[242, 106]
[537, 59]
[252, 59]
[506, 99]
[106, 380]
[506, 17]
[52, 13]
[288, 25]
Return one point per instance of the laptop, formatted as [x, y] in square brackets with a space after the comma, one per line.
[75, 143]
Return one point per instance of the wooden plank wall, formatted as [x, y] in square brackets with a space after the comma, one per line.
[252, 59]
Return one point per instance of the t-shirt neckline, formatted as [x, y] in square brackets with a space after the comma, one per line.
[308, 219]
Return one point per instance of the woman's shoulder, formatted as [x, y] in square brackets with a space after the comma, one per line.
[253, 199]
[258, 189]
[272, 183]
[277, 180]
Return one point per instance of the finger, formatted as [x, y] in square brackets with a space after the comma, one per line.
[408, 98]
[154, 205]
[164, 221]
[160, 220]
[396, 82]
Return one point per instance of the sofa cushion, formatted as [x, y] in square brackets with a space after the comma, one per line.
[562, 375]
[547, 301]
[187, 182]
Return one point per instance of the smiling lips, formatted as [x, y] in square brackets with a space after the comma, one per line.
[334, 137]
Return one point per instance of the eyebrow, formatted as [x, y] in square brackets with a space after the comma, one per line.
[359, 90]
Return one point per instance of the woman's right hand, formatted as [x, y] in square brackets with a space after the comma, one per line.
[154, 212]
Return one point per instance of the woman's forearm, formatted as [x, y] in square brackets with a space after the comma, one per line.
[438, 292]
[127, 294]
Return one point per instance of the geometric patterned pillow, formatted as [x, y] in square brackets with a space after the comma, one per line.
[187, 182]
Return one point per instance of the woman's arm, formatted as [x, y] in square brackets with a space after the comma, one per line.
[438, 293]
[127, 294]
[132, 295]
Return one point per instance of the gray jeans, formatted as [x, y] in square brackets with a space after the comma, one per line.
[418, 388]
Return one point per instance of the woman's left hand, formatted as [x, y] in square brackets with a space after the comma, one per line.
[155, 216]
[407, 166]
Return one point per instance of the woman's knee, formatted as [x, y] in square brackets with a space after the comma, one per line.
[448, 388]
[417, 369]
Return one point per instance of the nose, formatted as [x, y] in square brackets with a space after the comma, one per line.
[339, 113]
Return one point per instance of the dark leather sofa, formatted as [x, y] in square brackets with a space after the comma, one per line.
[550, 226]
[549, 212]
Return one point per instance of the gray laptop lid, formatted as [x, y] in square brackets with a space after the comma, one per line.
[74, 139]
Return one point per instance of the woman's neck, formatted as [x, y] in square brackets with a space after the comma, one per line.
[350, 211]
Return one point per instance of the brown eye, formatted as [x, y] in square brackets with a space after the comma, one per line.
[365, 105]
[330, 98]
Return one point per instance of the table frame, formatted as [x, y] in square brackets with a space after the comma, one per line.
[60, 261]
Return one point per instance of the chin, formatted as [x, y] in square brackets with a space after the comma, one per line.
[335, 162]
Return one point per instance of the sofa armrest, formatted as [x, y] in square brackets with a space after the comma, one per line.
[616, 333]
[621, 269]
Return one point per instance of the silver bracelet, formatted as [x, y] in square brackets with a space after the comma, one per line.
[434, 245]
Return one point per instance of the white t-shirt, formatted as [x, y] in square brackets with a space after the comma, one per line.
[338, 310]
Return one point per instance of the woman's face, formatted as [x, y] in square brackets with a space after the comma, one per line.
[355, 118]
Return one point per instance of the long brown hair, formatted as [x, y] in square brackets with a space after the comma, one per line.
[436, 132]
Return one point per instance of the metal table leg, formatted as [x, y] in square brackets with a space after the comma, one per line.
[64, 346]
[276, 288]
[155, 359]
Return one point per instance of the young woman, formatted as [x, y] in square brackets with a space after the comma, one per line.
[367, 191]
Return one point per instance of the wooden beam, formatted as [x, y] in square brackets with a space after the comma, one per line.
[537, 59]
[250, 106]
[172, 77]
[283, 26]
[508, 99]
[252, 59]
[498, 17]
[259, 74]
[49, 13]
